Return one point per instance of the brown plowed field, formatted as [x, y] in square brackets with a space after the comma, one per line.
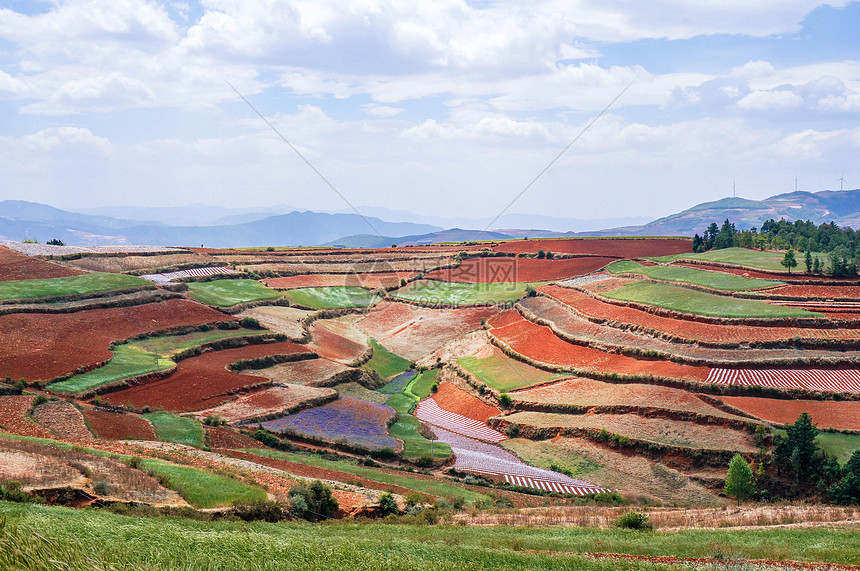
[459, 401]
[62, 418]
[541, 344]
[14, 419]
[382, 279]
[265, 402]
[691, 330]
[413, 332]
[309, 372]
[117, 426]
[203, 381]
[349, 267]
[43, 346]
[588, 392]
[17, 266]
[660, 430]
[499, 270]
[332, 346]
[815, 291]
[616, 247]
[220, 437]
[841, 415]
[144, 264]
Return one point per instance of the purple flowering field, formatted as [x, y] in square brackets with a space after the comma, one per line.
[348, 419]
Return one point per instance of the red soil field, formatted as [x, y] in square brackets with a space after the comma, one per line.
[17, 266]
[117, 426]
[453, 399]
[220, 437]
[497, 270]
[617, 247]
[14, 419]
[376, 280]
[414, 332]
[266, 402]
[62, 418]
[203, 381]
[841, 415]
[815, 291]
[589, 392]
[332, 346]
[683, 329]
[40, 347]
[541, 344]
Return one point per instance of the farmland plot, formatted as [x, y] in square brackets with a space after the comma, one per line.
[17, 266]
[450, 294]
[280, 319]
[331, 345]
[267, 402]
[227, 293]
[377, 280]
[836, 380]
[684, 275]
[44, 346]
[498, 371]
[583, 392]
[205, 272]
[615, 247]
[15, 420]
[659, 430]
[539, 343]
[202, 382]
[118, 426]
[309, 372]
[356, 422]
[72, 285]
[505, 269]
[331, 297]
[458, 401]
[689, 330]
[149, 264]
[63, 419]
[414, 332]
[841, 415]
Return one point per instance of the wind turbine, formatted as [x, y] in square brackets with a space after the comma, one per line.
[841, 180]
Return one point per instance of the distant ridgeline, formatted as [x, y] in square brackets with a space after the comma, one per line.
[841, 243]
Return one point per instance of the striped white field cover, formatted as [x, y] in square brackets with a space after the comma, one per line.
[192, 273]
[810, 379]
[431, 413]
[551, 486]
[492, 460]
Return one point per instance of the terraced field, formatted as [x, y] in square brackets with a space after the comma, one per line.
[17, 266]
[450, 294]
[614, 247]
[684, 275]
[376, 280]
[515, 270]
[72, 285]
[498, 371]
[331, 297]
[227, 293]
[841, 415]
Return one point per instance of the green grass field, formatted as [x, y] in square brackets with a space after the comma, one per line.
[431, 487]
[680, 274]
[87, 283]
[415, 445]
[433, 292]
[688, 300]
[421, 386]
[543, 453]
[841, 446]
[227, 293]
[331, 297]
[384, 362]
[505, 374]
[762, 260]
[178, 429]
[36, 535]
[200, 488]
[139, 358]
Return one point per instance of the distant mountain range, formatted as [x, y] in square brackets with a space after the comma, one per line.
[839, 206]
[226, 227]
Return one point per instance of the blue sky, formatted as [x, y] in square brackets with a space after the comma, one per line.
[444, 107]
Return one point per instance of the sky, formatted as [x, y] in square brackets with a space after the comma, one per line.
[444, 108]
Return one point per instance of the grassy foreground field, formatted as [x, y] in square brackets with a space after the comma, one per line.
[331, 297]
[87, 283]
[434, 292]
[688, 300]
[95, 539]
[684, 275]
[227, 293]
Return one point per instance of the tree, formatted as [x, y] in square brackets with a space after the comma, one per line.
[697, 243]
[312, 503]
[789, 261]
[798, 449]
[816, 265]
[739, 480]
[725, 238]
[388, 505]
[807, 259]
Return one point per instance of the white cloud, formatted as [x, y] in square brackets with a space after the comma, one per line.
[759, 100]
[50, 139]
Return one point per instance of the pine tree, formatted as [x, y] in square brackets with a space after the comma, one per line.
[739, 480]
[807, 259]
[789, 260]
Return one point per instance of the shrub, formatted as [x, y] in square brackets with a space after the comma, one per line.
[214, 420]
[513, 430]
[102, 488]
[40, 399]
[312, 503]
[55, 242]
[10, 491]
[530, 291]
[250, 323]
[259, 510]
[505, 400]
[388, 505]
[541, 254]
[634, 520]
